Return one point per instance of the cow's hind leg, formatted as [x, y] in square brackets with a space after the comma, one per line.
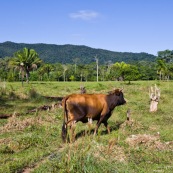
[72, 131]
[64, 132]
[72, 125]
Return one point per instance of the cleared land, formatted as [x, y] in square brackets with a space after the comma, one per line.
[30, 141]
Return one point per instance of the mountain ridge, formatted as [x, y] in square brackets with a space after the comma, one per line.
[67, 53]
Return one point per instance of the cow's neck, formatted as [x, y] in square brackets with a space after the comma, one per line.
[112, 101]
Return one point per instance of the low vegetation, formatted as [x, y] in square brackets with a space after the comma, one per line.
[31, 141]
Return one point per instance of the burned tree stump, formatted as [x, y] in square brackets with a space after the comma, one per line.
[154, 94]
[82, 90]
[128, 115]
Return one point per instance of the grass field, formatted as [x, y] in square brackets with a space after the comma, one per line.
[32, 142]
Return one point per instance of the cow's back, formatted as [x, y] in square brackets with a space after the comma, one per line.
[85, 105]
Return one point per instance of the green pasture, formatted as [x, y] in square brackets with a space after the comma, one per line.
[31, 142]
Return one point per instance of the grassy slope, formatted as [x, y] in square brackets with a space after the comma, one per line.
[32, 142]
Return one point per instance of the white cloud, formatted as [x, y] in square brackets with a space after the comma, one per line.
[84, 15]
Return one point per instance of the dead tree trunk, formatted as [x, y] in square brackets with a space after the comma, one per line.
[128, 115]
[154, 94]
[82, 89]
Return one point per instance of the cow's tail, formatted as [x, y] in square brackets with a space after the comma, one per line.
[64, 126]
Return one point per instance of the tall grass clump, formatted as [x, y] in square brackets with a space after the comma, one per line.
[12, 94]
[32, 93]
[3, 91]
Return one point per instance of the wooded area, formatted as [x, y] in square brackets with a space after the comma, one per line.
[27, 64]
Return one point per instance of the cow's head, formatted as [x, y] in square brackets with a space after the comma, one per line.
[119, 96]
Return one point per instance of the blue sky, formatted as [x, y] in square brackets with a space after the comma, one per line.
[116, 25]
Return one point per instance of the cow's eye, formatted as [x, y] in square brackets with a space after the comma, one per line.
[118, 94]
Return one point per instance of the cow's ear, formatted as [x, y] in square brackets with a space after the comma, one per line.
[121, 90]
[117, 92]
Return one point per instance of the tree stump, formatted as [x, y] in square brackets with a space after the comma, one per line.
[154, 94]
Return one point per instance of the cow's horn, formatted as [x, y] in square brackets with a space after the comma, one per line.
[122, 89]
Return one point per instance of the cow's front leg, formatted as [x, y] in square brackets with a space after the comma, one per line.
[98, 124]
[107, 127]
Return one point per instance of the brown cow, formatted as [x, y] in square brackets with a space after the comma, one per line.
[81, 107]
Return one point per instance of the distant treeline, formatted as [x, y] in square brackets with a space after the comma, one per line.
[43, 62]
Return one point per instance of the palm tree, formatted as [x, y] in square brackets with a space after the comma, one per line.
[65, 69]
[119, 69]
[75, 60]
[25, 60]
[97, 62]
[47, 68]
[161, 67]
[166, 55]
[164, 60]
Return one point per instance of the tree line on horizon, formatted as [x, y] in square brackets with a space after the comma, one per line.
[26, 65]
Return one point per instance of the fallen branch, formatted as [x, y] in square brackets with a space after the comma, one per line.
[54, 98]
[41, 108]
[45, 108]
[4, 116]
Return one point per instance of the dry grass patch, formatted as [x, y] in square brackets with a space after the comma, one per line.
[149, 141]
[132, 124]
[16, 124]
[111, 152]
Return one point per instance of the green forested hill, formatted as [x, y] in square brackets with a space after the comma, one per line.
[52, 53]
